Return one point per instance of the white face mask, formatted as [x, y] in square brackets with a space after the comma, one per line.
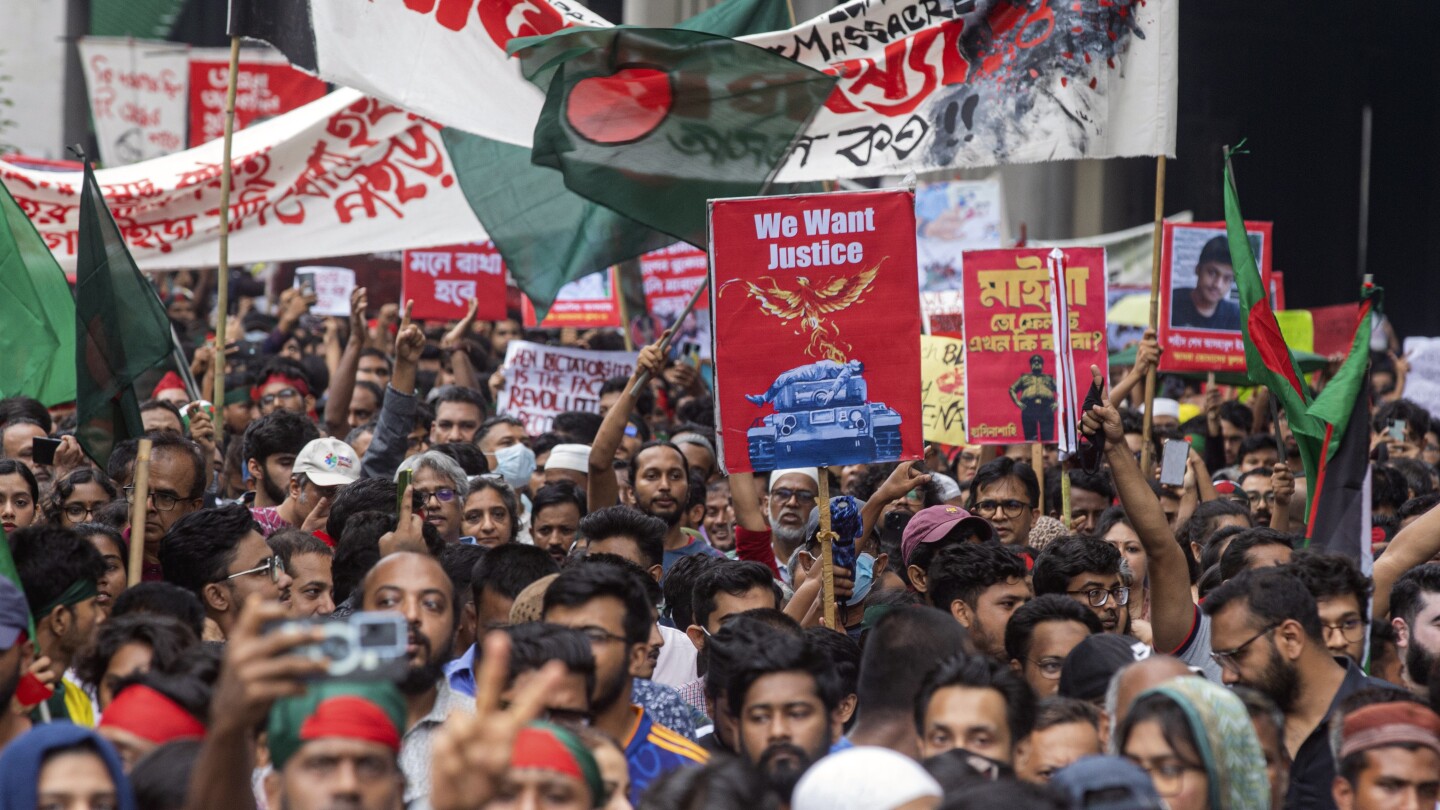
[515, 464]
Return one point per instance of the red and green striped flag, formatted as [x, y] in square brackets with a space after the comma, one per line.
[1328, 427]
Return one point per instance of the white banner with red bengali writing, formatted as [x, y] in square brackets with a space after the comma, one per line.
[138, 91]
[343, 175]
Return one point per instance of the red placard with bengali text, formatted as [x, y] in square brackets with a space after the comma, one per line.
[816, 312]
[1200, 310]
[266, 87]
[442, 281]
[591, 302]
[671, 276]
[1010, 361]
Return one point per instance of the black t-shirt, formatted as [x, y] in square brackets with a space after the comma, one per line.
[1184, 314]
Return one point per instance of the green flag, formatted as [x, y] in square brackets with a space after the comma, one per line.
[653, 122]
[548, 234]
[121, 329]
[37, 313]
[10, 572]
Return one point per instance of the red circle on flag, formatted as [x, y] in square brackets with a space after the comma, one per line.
[620, 108]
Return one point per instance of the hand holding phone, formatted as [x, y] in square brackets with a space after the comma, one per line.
[43, 450]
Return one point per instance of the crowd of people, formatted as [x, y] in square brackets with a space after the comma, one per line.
[599, 617]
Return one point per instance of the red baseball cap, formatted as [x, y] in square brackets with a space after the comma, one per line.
[934, 522]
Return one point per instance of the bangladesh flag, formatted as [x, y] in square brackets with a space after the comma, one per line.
[121, 329]
[653, 122]
[1331, 429]
[37, 313]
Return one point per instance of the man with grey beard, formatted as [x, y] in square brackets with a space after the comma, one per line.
[792, 496]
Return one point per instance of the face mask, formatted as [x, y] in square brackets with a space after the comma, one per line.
[864, 578]
[514, 464]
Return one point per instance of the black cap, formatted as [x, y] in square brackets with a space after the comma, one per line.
[1089, 667]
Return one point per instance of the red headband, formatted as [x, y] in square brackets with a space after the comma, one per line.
[353, 718]
[294, 382]
[540, 750]
[147, 714]
[170, 382]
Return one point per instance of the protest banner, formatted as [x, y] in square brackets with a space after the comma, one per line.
[332, 287]
[442, 281]
[670, 277]
[340, 176]
[266, 86]
[943, 312]
[942, 392]
[815, 300]
[1009, 349]
[951, 218]
[1199, 304]
[138, 91]
[1422, 383]
[543, 381]
[592, 302]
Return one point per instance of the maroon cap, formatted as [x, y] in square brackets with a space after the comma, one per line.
[934, 522]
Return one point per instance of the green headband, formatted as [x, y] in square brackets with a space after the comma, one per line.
[79, 591]
[237, 396]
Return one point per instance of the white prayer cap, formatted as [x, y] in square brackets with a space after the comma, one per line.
[863, 778]
[809, 472]
[569, 457]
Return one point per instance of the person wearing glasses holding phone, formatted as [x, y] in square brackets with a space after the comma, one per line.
[221, 556]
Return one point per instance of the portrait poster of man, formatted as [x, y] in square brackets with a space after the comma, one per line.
[1199, 304]
[1010, 358]
[815, 300]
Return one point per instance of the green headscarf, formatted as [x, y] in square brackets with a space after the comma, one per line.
[1226, 742]
[370, 711]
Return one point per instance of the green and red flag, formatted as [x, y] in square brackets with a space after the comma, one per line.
[37, 313]
[1331, 429]
[121, 330]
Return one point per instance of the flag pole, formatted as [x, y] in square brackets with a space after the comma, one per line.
[1147, 425]
[827, 552]
[222, 281]
[137, 512]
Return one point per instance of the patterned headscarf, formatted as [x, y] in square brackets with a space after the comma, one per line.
[1226, 742]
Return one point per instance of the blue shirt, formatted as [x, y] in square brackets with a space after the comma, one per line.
[652, 750]
[461, 673]
[697, 545]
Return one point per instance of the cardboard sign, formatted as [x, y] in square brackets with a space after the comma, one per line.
[671, 275]
[442, 281]
[942, 371]
[266, 87]
[138, 94]
[590, 302]
[1010, 358]
[951, 218]
[817, 328]
[332, 286]
[543, 381]
[1199, 303]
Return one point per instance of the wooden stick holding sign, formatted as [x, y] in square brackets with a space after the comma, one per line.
[644, 378]
[222, 275]
[1065, 517]
[138, 507]
[827, 552]
[1146, 428]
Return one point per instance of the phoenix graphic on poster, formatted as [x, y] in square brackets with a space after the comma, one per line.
[817, 329]
[1010, 367]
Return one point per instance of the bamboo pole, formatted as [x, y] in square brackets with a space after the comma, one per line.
[1065, 517]
[827, 553]
[138, 509]
[1146, 465]
[222, 275]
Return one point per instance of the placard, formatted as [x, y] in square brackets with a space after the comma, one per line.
[1009, 349]
[951, 218]
[543, 381]
[817, 329]
[670, 276]
[332, 286]
[138, 91]
[267, 86]
[443, 280]
[590, 302]
[1199, 303]
[942, 392]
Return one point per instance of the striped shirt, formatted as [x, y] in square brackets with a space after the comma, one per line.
[652, 750]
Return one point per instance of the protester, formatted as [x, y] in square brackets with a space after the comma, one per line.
[976, 703]
[981, 586]
[1066, 730]
[1040, 636]
[1389, 755]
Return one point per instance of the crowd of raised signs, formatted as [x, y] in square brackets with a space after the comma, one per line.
[599, 617]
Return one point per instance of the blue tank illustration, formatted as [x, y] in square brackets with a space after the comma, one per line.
[822, 416]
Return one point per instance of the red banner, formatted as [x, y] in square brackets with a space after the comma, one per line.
[671, 276]
[1009, 350]
[1199, 303]
[443, 280]
[591, 302]
[817, 329]
[265, 88]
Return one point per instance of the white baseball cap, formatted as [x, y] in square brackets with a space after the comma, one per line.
[328, 463]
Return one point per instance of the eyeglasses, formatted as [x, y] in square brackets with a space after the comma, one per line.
[1256, 497]
[162, 500]
[284, 393]
[1010, 507]
[1352, 630]
[1098, 597]
[445, 495]
[599, 635]
[1049, 667]
[783, 494]
[76, 511]
[1227, 659]
[274, 565]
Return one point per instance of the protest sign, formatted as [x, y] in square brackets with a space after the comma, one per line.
[943, 312]
[442, 281]
[332, 287]
[951, 218]
[543, 381]
[817, 329]
[671, 276]
[1199, 303]
[942, 392]
[1010, 358]
[591, 302]
[1422, 383]
[266, 86]
[138, 93]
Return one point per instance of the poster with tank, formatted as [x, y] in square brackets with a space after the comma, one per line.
[816, 330]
